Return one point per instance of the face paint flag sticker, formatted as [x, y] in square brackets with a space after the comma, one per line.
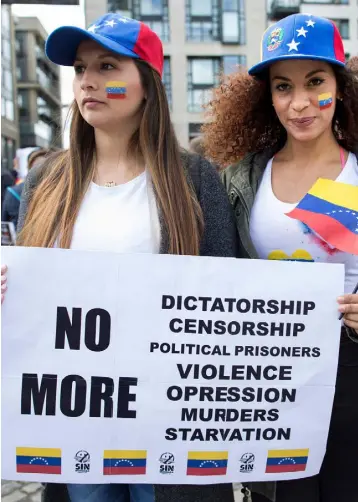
[286, 460]
[330, 209]
[38, 460]
[325, 100]
[116, 90]
[207, 463]
[125, 462]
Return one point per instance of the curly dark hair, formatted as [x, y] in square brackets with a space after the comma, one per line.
[241, 118]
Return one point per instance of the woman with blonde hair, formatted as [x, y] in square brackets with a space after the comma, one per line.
[124, 170]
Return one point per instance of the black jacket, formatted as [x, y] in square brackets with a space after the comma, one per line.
[219, 239]
[11, 204]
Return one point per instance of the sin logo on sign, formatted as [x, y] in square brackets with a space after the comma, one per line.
[82, 458]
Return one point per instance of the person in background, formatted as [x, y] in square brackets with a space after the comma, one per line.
[124, 168]
[196, 146]
[288, 123]
[11, 204]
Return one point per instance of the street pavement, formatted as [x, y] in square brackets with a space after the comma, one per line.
[14, 491]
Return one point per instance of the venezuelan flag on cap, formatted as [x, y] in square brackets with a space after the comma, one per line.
[121, 462]
[330, 209]
[207, 463]
[38, 460]
[286, 460]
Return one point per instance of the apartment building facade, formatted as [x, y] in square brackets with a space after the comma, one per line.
[343, 12]
[201, 38]
[38, 87]
[9, 115]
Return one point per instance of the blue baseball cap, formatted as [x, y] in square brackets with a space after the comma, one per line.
[119, 34]
[300, 36]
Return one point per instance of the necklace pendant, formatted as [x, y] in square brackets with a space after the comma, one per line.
[110, 184]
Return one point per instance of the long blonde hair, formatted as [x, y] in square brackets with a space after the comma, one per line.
[56, 200]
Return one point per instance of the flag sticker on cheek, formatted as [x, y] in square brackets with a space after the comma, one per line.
[116, 90]
[325, 100]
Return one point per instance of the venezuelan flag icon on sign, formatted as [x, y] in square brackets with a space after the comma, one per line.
[330, 209]
[207, 463]
[121, 462]
[286, 460]
[38, 460]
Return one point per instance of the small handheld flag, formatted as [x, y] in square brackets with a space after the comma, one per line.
[330, 209]
[116, 89]
[325, 100]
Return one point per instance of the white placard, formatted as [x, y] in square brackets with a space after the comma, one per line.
[166, 369]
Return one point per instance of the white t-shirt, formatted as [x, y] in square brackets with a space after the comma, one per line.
[123, 218]
[276, 236]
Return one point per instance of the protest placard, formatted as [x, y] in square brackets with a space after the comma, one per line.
[166, 369]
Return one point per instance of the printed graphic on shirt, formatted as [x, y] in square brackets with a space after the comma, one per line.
[330, 209]
[318, 241]
[298, 255]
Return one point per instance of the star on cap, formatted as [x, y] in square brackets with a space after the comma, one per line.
[124, 20]
[311, 23]
[92, 28]
[110, 23]
[301, 32]
[293, 45]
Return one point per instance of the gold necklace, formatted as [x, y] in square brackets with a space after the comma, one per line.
[110, 184]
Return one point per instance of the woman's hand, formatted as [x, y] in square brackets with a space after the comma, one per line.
[348, 305]
[3, 282]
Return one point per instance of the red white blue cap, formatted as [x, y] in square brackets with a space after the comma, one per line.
[119, 34]
[300, 36]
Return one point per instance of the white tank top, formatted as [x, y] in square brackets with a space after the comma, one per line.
[122, 219]
[279, 237]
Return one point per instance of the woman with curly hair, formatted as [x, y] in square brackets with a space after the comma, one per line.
[289, 122]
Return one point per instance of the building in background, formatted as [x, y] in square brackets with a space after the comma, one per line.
[9, 118]
[201, 38]
[38, 87]
[343, 12]
[47, 2]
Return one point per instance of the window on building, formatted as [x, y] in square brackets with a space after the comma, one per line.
[337, 2]
[230, 63]
[23, 103]
[21, 68]
[202, 20]
[8, 152]
[233, 23]
[155, 13]
[210, 20]
[203, 75]
[5, 20]
[20, 43]
[167, 80]
[343, 27]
